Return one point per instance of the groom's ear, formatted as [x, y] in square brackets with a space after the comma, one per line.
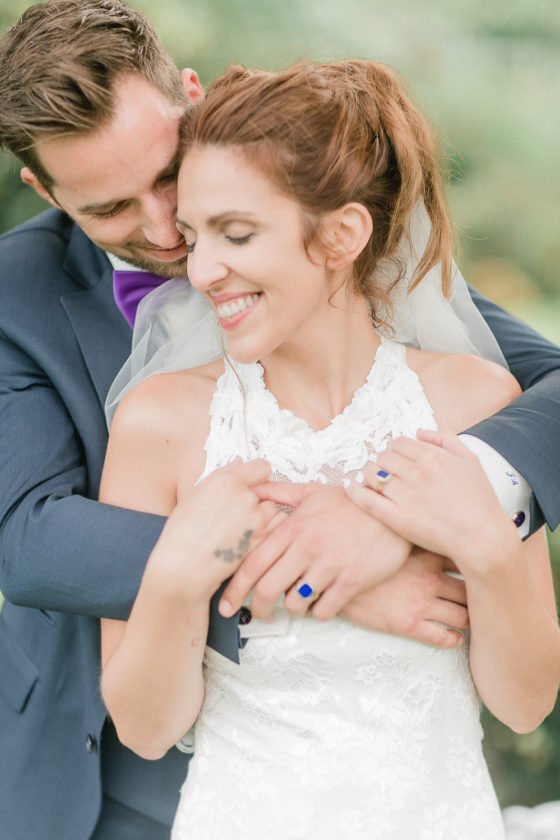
[344, 234]
[192, 85]
[30, 179]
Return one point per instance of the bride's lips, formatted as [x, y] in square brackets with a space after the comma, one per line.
[232, 309]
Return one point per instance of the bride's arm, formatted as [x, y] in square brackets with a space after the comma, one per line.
[438, 497]
[152, 679]
[515, 640]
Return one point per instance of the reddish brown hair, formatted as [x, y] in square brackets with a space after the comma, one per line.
[330, 134]
[58, 68]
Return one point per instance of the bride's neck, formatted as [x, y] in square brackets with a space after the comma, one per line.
[316, 373]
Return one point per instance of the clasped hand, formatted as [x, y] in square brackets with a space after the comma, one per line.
[230, 526]
[360, 568]
[327, 542]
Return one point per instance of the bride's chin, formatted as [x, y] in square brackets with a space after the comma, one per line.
[247, 352]
[242, 358]
[240, 353]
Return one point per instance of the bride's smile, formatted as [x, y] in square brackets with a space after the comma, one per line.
[230, 309]
[248, 254]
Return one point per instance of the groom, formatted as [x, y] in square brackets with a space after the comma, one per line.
[91, 104]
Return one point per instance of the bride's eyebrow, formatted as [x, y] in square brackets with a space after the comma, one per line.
[222, 218]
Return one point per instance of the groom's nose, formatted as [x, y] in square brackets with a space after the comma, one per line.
[158, 219]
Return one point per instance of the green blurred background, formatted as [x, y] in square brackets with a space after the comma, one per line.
[488, 74]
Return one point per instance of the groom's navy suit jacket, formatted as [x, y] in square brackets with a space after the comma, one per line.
[66, 560]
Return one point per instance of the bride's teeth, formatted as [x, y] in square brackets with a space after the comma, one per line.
[234, 307]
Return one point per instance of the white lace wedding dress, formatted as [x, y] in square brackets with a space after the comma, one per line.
[325, 731]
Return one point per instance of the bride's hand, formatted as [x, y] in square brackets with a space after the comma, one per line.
[211, 531]
[436, 494]
[327, 542]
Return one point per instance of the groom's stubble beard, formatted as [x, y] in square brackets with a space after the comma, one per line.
[133, 253]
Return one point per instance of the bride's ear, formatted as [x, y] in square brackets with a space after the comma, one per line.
[344, 234]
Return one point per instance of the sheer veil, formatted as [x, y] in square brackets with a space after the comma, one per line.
[176, 327]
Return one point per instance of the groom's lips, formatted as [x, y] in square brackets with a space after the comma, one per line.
[167, 254]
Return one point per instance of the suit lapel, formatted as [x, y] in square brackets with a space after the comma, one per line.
[102, 333]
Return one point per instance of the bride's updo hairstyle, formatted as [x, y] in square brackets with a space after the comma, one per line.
[330, 134]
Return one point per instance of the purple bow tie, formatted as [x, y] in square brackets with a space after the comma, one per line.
[129, 287]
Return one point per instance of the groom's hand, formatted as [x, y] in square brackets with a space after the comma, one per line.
[326, 542]
[420, 601]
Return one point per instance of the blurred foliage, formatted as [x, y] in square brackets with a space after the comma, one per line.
[488, 73]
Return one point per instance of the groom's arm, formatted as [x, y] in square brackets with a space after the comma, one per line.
[527, 432]
[59, 550]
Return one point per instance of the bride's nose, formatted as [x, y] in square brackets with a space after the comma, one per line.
[204, 268]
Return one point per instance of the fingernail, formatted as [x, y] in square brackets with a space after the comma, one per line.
[346, 483]
[225, 609]
[359, 477]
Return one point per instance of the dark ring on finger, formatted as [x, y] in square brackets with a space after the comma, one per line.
[305, 590]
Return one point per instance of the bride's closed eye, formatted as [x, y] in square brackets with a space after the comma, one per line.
[235, 240]
[239, 240]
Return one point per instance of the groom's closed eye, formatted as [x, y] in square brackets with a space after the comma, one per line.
[109, 213]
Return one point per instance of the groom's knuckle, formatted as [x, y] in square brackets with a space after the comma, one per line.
[437, 636]
[463, 620]
[431, 580]
[409, 623]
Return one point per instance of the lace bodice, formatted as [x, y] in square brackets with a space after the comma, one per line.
[246, 420]
[326, 731]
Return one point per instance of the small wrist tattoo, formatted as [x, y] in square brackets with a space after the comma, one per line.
[228, 555]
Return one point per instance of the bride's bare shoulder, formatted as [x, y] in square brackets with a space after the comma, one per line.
[462, 389]
[169, 401]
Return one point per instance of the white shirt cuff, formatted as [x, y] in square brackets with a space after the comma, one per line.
[511, 488]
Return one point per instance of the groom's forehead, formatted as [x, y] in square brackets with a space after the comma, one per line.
[138, 146]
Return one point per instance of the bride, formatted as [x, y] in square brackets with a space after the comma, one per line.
[295, 191]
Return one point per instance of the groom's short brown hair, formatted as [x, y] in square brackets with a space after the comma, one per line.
[58, 66]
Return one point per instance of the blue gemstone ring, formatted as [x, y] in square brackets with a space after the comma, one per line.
[305, 590]
[383, 476]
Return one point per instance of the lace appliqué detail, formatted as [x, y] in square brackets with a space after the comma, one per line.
[247, 422]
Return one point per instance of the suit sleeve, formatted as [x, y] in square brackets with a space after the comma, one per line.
[59, 550]
[527, 432]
